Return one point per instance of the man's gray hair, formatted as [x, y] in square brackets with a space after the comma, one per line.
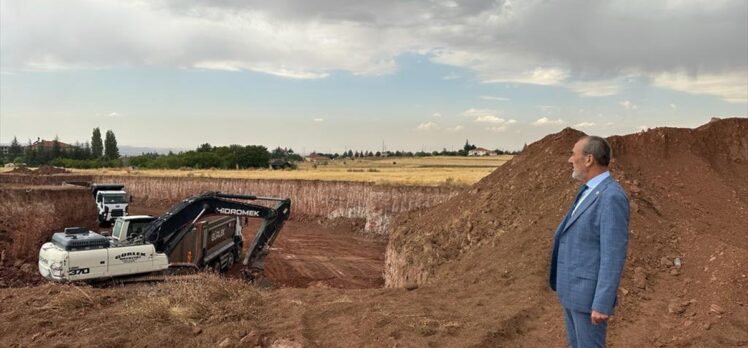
[599, 148]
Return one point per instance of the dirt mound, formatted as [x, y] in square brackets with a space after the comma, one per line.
[48, 170]
[688, 191]
[42, 170]
[21, 170]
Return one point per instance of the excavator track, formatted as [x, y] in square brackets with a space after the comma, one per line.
[176, 272]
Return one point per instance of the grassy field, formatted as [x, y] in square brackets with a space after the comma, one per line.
[417, 171]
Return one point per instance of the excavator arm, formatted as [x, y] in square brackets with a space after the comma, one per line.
[167, 231]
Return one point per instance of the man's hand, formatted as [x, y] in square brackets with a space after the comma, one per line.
[598, 317]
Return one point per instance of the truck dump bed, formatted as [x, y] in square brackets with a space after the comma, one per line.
[95, 188]
[208, 239]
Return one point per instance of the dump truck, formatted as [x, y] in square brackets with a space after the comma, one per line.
[186, 236]
[111, 202]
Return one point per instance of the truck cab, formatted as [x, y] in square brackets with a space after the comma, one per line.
[111, 202]
[111, 205]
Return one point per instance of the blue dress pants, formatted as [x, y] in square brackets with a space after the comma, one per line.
[581, 333]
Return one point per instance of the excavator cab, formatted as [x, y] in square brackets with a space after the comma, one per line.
[130, 229]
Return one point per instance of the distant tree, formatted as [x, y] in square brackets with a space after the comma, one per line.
[111, 151]
[30, 154]
[87, 153]
[76, 152]
[97, 146]
[278, 152]
[204, 148]
[56, 152]
[253, 156]
[466, 149]
[15, 150]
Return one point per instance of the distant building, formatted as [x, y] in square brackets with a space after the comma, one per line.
[49, 144]
[481, 152]
[5, 149]
[316, 158]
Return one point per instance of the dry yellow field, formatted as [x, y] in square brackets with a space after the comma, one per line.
[420, 171]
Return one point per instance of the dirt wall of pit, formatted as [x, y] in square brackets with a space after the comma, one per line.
[29, 214]
[28, 217]
[9, 179]
[374, 204]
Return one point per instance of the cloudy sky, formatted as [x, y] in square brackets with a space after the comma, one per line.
[332, 75]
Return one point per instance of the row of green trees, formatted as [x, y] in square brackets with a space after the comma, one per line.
[207, 156]
[444, 152]
[105, 153]
[97, 153]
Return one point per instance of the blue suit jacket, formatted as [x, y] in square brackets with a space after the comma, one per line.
[589, 250]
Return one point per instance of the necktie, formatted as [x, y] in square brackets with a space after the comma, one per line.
[579, 196]
[576, 200]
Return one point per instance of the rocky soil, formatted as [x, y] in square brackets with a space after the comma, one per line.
[471, 272]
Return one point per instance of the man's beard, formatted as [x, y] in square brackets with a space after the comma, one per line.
[577, 175]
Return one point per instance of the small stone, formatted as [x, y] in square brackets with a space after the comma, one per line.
[197, 330]
[36, 335]
[251, 339]
[226, 343]
[27, 268]
[675, 308]
[706, 326]
[677, 262]
[640, 278]
[716, 309]
[285, 343]
[674, 272]
[624, 292]
[687, 323]
[411, 286]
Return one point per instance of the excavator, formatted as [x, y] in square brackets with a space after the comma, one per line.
[201, 232]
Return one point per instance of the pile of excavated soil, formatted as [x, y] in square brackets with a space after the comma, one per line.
[47, 170]
[688, 190]
[22, 170]
[42, 170]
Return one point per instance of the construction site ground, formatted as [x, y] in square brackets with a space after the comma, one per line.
[312, 253]
[471, 272]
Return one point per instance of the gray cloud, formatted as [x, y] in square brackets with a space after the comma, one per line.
[582, 44]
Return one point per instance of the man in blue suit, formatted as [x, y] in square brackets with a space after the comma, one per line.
[589, 247]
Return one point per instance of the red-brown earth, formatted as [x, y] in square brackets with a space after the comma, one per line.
[476, 267]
